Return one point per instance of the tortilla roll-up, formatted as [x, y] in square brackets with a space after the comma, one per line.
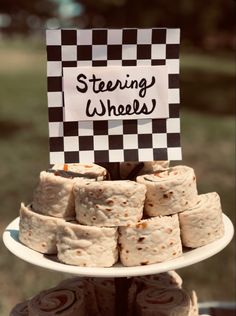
[58, 301]
[37, 231]
[169, 302]
[88, 170]
[72, 282]
[203, 223]
[150, 241]
[130, 170]
[161, 281]
[194, 304]
[87, 246]
[54, 196]
[89, 292]
[91, 298]
[20, 309]
[170, 191]
[104, 292]
[109, 203]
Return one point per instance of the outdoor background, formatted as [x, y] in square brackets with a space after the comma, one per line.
[207, 115]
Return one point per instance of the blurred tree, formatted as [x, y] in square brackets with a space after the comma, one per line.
[197, 19]
[26, 15]
[210, 24]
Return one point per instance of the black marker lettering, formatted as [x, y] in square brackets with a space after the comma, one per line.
[109, 85]
[95, 111]
[128, 109]
[143, 85]
[98, 85]
[94, 80]
[101, 85]
[111, 108]
[134, 84]
[83, 90]
[120, 110]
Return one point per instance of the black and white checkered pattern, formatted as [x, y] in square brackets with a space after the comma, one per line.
[114, 140]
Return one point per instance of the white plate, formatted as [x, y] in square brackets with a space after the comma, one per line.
[11, 241]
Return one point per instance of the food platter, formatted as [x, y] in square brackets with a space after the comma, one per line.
[189, 257]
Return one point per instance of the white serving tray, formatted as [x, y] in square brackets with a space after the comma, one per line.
[189, 257]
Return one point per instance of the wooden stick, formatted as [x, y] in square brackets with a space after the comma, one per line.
[113, 168]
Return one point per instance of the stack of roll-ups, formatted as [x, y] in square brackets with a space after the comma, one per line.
[90, 220]
[162, 294]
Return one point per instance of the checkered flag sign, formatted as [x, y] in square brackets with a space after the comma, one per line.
[112, 140]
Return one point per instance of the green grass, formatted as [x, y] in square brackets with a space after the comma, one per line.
[208, 146]
[218, 64]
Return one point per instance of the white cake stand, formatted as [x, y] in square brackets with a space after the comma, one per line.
[189, 257]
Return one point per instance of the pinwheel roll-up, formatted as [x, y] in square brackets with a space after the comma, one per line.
[130, 170]
[87, 246]
[169, 302]
[54, 196]
[89, 293]
[170, 191]
[109, 203]
[58, 301]
[104, 292]
[88, 170]
[91, 298]
[76, 282]
[161, 281]
[150, 241]
[203, 223]
[37, 231]
[20, 309]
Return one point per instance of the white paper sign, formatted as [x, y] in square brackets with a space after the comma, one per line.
[115, 93]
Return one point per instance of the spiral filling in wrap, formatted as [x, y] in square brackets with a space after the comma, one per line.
[20, 309]
[112, 297]
[89, 170]
[58, 301]
[169, 302]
